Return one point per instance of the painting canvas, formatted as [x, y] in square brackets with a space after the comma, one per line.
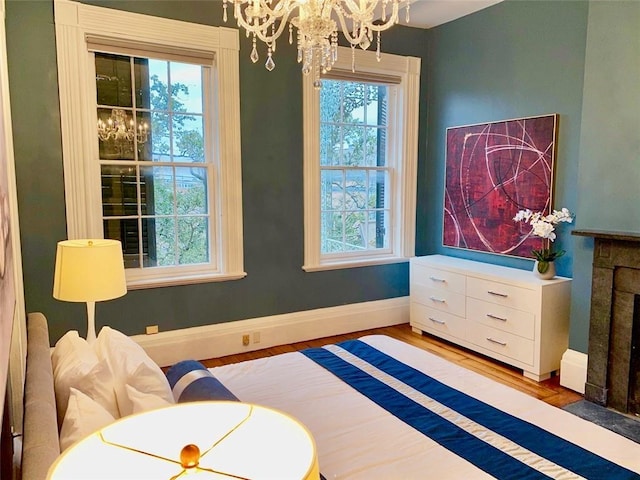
[493, 170]
[7, 288]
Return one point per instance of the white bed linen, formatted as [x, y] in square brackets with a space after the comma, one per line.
[357, 439]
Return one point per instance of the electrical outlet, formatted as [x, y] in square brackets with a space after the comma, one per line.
[245, 339]
[256, 337]
[151, 329]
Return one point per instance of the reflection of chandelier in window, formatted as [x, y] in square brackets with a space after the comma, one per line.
[317, 23]
[118, 128]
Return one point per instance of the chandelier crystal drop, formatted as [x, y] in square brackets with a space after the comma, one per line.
[118, 128]
[316, 23]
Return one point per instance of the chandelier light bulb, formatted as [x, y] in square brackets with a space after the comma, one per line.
[317, 23]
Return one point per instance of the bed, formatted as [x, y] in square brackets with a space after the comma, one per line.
[381, 409]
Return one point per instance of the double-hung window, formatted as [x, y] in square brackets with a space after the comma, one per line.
[361, 134]
[151, 145]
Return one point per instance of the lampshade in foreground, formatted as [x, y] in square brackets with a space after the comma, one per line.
[89, 271]
[234, 440]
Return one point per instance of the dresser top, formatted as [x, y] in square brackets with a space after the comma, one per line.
[487, 270]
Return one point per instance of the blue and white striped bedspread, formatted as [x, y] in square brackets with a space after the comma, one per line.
[498, 443]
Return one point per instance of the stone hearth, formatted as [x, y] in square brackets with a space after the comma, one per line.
[613, 374]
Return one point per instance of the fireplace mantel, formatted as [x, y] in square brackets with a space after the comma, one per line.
[609, 235]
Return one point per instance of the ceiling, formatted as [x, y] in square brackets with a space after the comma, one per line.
[430, 13]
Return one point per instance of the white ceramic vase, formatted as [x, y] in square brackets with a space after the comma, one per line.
[549, 274]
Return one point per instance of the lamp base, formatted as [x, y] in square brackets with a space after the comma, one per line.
[91, 322]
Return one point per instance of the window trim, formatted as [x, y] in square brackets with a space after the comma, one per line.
[78, 24]
[404, 174]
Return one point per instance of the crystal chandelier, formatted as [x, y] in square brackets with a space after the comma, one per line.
[316, 23]
[118, 128]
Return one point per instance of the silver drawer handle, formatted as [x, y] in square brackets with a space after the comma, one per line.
[436, 299]
[495, 317]
[497, 294]
[492, 340]
[436, 279]
[435, 320]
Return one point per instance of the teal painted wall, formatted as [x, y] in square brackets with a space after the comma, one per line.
[609, 166]
[271, 116]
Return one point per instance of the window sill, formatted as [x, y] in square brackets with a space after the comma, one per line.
[352, 263]
[139, 284]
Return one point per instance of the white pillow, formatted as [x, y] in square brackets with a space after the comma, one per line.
[143, 402]
[75, 365]
[84, 416]
[129, 364]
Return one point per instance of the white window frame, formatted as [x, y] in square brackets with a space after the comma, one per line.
[403, 153]
[76, 24]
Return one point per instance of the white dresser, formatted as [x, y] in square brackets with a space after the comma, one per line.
[505, 313]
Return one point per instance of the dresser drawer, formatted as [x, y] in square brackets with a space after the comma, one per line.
[504, 343]
[502, 294]
[439, 279]
[437, 322]
[502, 318]
[445, 301]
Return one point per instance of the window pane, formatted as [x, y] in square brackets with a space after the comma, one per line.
[186, 87]
[188, 142]
[159, 183]
[165, 242]
[332, 229]
[158, 80]
[115, 136]
[371, 105]
[356, 190]
[377, 187]
[119, 190]
[331, 101]
[374, 155]
[353, 146]
[113, 80]
[332, 189]
[144, 135]
[330, 144]
[142, 82]
[354, 229]
[193, 241]
[191, 187]
[160, 146]
[125, 230]
[378, 229]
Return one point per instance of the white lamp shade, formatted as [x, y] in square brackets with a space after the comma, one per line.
[235, 440]
[89, 271]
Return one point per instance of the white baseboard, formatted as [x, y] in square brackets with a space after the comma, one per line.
[211, 341]
[573, 370]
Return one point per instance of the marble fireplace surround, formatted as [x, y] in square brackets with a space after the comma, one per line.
[612, 370]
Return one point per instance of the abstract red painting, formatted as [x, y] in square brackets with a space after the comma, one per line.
[492, 171]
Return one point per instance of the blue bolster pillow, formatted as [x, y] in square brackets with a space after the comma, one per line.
[191, 381]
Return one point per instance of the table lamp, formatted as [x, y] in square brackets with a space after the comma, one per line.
[89, 271]
[201, 440]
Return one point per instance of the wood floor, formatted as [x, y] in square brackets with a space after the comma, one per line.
[548, 391]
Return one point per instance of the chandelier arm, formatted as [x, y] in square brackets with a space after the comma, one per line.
[265, 11]
[358, 15]
[263, 28]
[393, 18]
[348, 35]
